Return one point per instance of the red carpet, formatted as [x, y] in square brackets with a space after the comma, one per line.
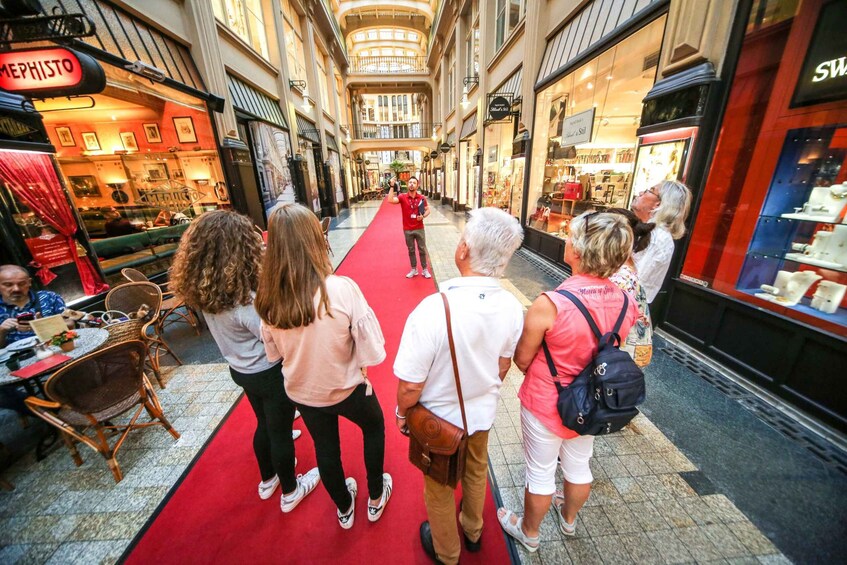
[215, 515]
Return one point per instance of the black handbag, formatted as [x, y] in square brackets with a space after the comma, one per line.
[602, 399]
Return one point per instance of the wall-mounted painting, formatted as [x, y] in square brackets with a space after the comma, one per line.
[66, 138]
[90, 141]
[152, 133]
[129, 141]
[84, 186]
[185, 132]
[156, 171]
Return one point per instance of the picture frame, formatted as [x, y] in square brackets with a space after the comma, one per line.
[156, 172]
[492, 153]
[90, 141]
[152, 133]
[128, 140]
[179, 175]
[185, 132]
[85, 186]
[66, 138]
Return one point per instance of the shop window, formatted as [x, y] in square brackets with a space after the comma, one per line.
[502, 171]
[585, 133]
[245, 19]
[771, 227]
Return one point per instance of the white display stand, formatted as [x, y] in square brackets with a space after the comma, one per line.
[788, 288]
[824, 205]
[828, 296]
[828, 250]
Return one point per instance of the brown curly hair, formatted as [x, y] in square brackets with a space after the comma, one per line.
[218, 262]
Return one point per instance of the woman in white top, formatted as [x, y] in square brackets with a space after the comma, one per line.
[323, 330]
[216, 271]
[665, 204]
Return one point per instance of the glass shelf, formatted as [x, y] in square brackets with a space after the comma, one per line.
[795, 257]
[839, 316]
[822, 220]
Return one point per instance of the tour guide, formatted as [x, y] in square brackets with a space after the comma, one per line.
[415, 208]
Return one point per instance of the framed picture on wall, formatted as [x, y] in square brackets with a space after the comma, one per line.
[156, 171]
[492, 153]
[90, 141]
[129, 141]
[66, 138]
[151, 132]
[84, 186]
[185, 132]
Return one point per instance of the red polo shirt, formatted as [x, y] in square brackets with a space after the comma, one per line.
[410, 207]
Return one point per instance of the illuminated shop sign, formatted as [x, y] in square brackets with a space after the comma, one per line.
[824, 74]
[50, 72]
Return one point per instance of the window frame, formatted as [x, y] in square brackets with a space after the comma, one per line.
[251, 36]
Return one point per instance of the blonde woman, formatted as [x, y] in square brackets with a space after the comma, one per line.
[598, 245]
[321, 326]
[666, 205]
[216, 271]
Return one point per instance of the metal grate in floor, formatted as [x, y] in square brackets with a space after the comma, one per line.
[543, 265]
[824, 450]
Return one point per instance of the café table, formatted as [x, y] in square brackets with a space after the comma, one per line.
[88, 340]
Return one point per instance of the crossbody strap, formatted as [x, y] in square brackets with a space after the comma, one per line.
[453, 359]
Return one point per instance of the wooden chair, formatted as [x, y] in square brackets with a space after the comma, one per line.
[129, 298]
[325, 228]
[86, 396]
[171, 305]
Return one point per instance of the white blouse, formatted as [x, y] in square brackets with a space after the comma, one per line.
[652, 264]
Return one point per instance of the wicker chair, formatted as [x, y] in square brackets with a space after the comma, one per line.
[325, 229]
[129, 298]
[84, 397]
[171, 305]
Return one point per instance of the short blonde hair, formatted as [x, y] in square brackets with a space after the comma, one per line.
[675, 201]
[603, 241]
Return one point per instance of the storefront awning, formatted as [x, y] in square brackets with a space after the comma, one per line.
[597, 21]
[307, 129]
[249, 100]
[512, 85]
[331, 144]
[451, 138]
[123, 36]
[468, 126]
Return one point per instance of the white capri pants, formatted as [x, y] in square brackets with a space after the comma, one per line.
[541, 449]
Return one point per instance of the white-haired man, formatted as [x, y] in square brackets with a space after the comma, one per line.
[487, 321]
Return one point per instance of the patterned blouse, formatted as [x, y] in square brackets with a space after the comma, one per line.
[639, 341]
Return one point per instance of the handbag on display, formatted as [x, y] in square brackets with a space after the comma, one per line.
[437, 447]
[602, 399]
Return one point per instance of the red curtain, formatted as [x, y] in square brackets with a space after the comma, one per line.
[32, 179]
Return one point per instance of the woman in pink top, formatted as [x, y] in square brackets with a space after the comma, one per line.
[599, 243]
[322, 328]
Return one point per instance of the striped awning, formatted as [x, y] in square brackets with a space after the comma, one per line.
[468, 126]
[512, 85]
[331, 144]
[121, 34]
[596, 21]
[251, 101]
[451, 138]
[307, 129]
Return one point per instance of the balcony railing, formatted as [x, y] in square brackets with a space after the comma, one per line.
[393, 131]
[388, 65]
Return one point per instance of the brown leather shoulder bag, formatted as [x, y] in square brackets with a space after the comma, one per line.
[437, 447]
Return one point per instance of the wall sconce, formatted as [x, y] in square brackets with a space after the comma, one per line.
[301, 84]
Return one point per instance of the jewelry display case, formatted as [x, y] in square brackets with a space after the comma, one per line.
[798, 255]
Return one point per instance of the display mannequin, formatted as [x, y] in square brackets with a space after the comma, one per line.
[828, 296]
[828, 249]
[825, 204]
[789, 288]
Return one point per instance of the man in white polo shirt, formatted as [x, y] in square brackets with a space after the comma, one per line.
[487, 322]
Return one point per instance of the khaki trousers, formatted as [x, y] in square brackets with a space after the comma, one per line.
[441, 502]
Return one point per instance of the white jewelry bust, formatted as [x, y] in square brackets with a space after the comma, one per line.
[824, 205]
[788, 288]
[828, 296]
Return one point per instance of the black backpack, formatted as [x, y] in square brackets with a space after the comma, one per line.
[602, 399]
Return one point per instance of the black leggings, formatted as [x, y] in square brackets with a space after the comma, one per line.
[364, 411]
[274, 417]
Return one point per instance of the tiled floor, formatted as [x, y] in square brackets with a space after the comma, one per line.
[646, 505]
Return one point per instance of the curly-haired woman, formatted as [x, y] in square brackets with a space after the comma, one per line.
[216, 270]
[326, 332]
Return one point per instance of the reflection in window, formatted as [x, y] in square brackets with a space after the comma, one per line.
[245, 19]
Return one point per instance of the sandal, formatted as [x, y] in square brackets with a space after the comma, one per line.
[514, 530]
[564, 527]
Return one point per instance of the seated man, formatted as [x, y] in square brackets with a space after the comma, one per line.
[116, 224]
[18, 300]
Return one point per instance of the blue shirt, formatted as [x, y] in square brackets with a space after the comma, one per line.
[42, 302]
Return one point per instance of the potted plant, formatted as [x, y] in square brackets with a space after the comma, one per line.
[64, 340]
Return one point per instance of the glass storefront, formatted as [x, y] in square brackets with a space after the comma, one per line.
[272, 151]
[771, 228]
[468, 173]
[335, 176]
[585, 140]
[502, 171]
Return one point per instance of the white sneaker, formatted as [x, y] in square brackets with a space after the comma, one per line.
[426, 274]
[412, 273]
[346, 520]
[305, 484]
[267, 488]
[296, 433]
[375, 512]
